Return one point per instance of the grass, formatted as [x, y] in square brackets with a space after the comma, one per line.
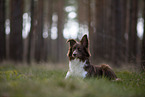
[48, 81]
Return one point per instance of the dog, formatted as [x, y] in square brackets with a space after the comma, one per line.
[79, 64]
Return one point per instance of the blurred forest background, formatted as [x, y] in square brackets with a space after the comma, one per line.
[37, 30]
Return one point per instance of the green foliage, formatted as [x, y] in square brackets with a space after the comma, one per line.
[44, 81]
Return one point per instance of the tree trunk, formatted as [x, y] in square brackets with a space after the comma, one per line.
[118, 33]
[112, 33]
[143, 44]
[123, 29]
[92, 28]
[99, 30]
[108, 23]
[49, 42]
[133, 31]
[2, 31]
[39, 38]
[16, 41]
[60, 39]
[127, 31]
[30, 37]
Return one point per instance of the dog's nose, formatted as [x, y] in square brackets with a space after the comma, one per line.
[74, 55]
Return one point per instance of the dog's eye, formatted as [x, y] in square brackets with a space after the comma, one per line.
[74, 48]
[79, 49]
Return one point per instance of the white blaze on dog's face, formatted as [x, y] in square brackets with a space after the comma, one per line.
[79, 49]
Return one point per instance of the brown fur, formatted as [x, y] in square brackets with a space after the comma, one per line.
[81, 51]
[99, 71]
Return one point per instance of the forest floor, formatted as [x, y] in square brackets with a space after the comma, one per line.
[48, 81]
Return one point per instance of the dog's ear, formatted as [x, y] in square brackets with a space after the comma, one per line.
[71, 41]
[84, 41]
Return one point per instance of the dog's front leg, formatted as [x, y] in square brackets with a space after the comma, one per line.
[67, 75]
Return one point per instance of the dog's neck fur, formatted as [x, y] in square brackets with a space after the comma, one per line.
[76, 68]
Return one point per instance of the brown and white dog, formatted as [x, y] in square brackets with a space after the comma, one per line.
[79, 64]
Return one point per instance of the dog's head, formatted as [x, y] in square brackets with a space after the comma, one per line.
[79, 50]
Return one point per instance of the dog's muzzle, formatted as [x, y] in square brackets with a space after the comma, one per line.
[74, 54]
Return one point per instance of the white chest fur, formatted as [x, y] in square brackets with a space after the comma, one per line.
[76, 68]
